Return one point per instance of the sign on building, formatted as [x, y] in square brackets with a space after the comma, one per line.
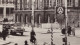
[60, 10]
[60, 14]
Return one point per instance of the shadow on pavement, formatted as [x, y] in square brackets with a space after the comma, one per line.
[67, 35]
[45, 33]
[7, 43]
[20, 35]
[50, 32]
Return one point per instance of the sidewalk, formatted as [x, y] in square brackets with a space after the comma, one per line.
[74, 40]
[2, 42]
[40, 30]
[5, 42]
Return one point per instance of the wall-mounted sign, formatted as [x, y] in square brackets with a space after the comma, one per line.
[60, 10]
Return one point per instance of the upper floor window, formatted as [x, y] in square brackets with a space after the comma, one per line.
[59, 2]
[10, 1]
[7, 1]
[70, 3]
[46, 4]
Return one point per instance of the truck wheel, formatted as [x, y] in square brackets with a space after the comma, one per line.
[21, 33]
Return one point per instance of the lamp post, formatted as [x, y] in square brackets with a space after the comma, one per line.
[66, 22]
[55, 10]
[32, 16]
[4, 12]
[33, 39]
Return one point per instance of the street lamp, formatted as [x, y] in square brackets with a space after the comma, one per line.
[66, 22]
[32, 16]
[32, 34]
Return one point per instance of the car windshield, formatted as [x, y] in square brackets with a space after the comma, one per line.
[18, 25]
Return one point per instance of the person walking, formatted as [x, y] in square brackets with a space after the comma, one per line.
[4, 34]
[63, 31]
[73, 31]
[32, 37]
[26, 43]
[69, 30]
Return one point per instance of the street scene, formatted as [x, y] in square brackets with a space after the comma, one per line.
[42, 37]
[39, 22]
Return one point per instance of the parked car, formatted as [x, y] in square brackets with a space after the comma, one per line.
[17, 28]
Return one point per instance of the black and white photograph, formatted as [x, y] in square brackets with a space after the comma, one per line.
[39, 22]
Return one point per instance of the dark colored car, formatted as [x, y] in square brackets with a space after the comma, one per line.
[17, 28]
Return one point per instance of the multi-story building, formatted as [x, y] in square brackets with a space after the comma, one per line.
[39, 6]
[6, 9]
[45, 11]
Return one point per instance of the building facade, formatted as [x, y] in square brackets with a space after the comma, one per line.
[6, 9]
[45, 11]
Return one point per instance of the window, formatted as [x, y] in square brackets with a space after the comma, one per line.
[59, 2]
[20, 4]
[25, 4]
[0, 1]
[46, 4]
[1, 10]
[10, 1]
[79, 3]
[70, 3]
[16, 4]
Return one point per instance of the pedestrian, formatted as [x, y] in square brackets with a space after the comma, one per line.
[73, 31]
[4, 34]
[44, 43]
[26, 42]
[63, 31]
[69, 30]
[7, 31]
[32, 37]
[15, 44]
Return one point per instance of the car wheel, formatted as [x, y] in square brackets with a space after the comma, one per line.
[14, 33]
[21, 33]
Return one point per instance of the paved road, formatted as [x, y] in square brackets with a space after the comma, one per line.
[42, 37]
